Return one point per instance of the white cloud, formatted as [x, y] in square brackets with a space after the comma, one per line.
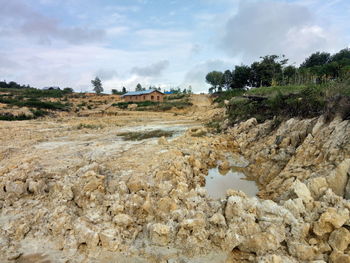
[18, 18]
[152, 70]
[271, 27]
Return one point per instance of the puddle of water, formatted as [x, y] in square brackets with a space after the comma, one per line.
[217, 184]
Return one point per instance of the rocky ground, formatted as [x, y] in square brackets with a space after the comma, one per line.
[71, 190]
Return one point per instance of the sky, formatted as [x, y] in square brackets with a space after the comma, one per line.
[172, 43]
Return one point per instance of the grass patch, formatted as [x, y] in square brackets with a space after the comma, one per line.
[34, 103]
[175, 96]
[227, 95]
[155, 106]
[36, 93]
[282, 102]
[138, 136]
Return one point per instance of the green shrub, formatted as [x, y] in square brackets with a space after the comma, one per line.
[10, 117]
[175, 96]
[122, 105]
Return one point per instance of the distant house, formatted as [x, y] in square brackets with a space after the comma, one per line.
[145, 95]
[168, 92]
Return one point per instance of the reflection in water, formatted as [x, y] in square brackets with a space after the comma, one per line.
[217, 184]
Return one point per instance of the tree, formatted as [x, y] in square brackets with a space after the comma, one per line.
[215, 79]
[316, 59]
[227, 79]
[240, 77]
[267, 71]
[97, 85]
[115, 91]
[289, 74]
[124, 90]
[139, 87]
[189, 89]
[68, 90]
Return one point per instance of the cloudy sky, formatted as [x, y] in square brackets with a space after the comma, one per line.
[170, 43]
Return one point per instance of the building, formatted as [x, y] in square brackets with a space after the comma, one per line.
[145, 95]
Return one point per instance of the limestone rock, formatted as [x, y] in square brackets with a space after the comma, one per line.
[110, 239]
[317, 186]
[260, 243]
[136, 183]
[302, 191]
[123, 220]
[339, 257]
[218, 219]
[339, 239]
[224, 166]
[332, 218]
[16, 187]
[86, 234]
[160, 234]
[338, 179]
[302, 251]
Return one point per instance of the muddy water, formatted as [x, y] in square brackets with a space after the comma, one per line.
[218, 183]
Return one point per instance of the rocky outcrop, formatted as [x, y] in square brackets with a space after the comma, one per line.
[159, 209]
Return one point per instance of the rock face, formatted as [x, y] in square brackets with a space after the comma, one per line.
[157, 208]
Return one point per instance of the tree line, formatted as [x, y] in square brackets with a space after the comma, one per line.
[13, 85]
[273, 70]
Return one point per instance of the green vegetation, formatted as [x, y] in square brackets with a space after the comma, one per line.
[178, 101]
[15, 95]
[97, 84]
[283, 102]
[34, 103]
[320, 85]
[10, 117]
[138, 136]
[175, 96]
[273, 70]
[117, 92]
